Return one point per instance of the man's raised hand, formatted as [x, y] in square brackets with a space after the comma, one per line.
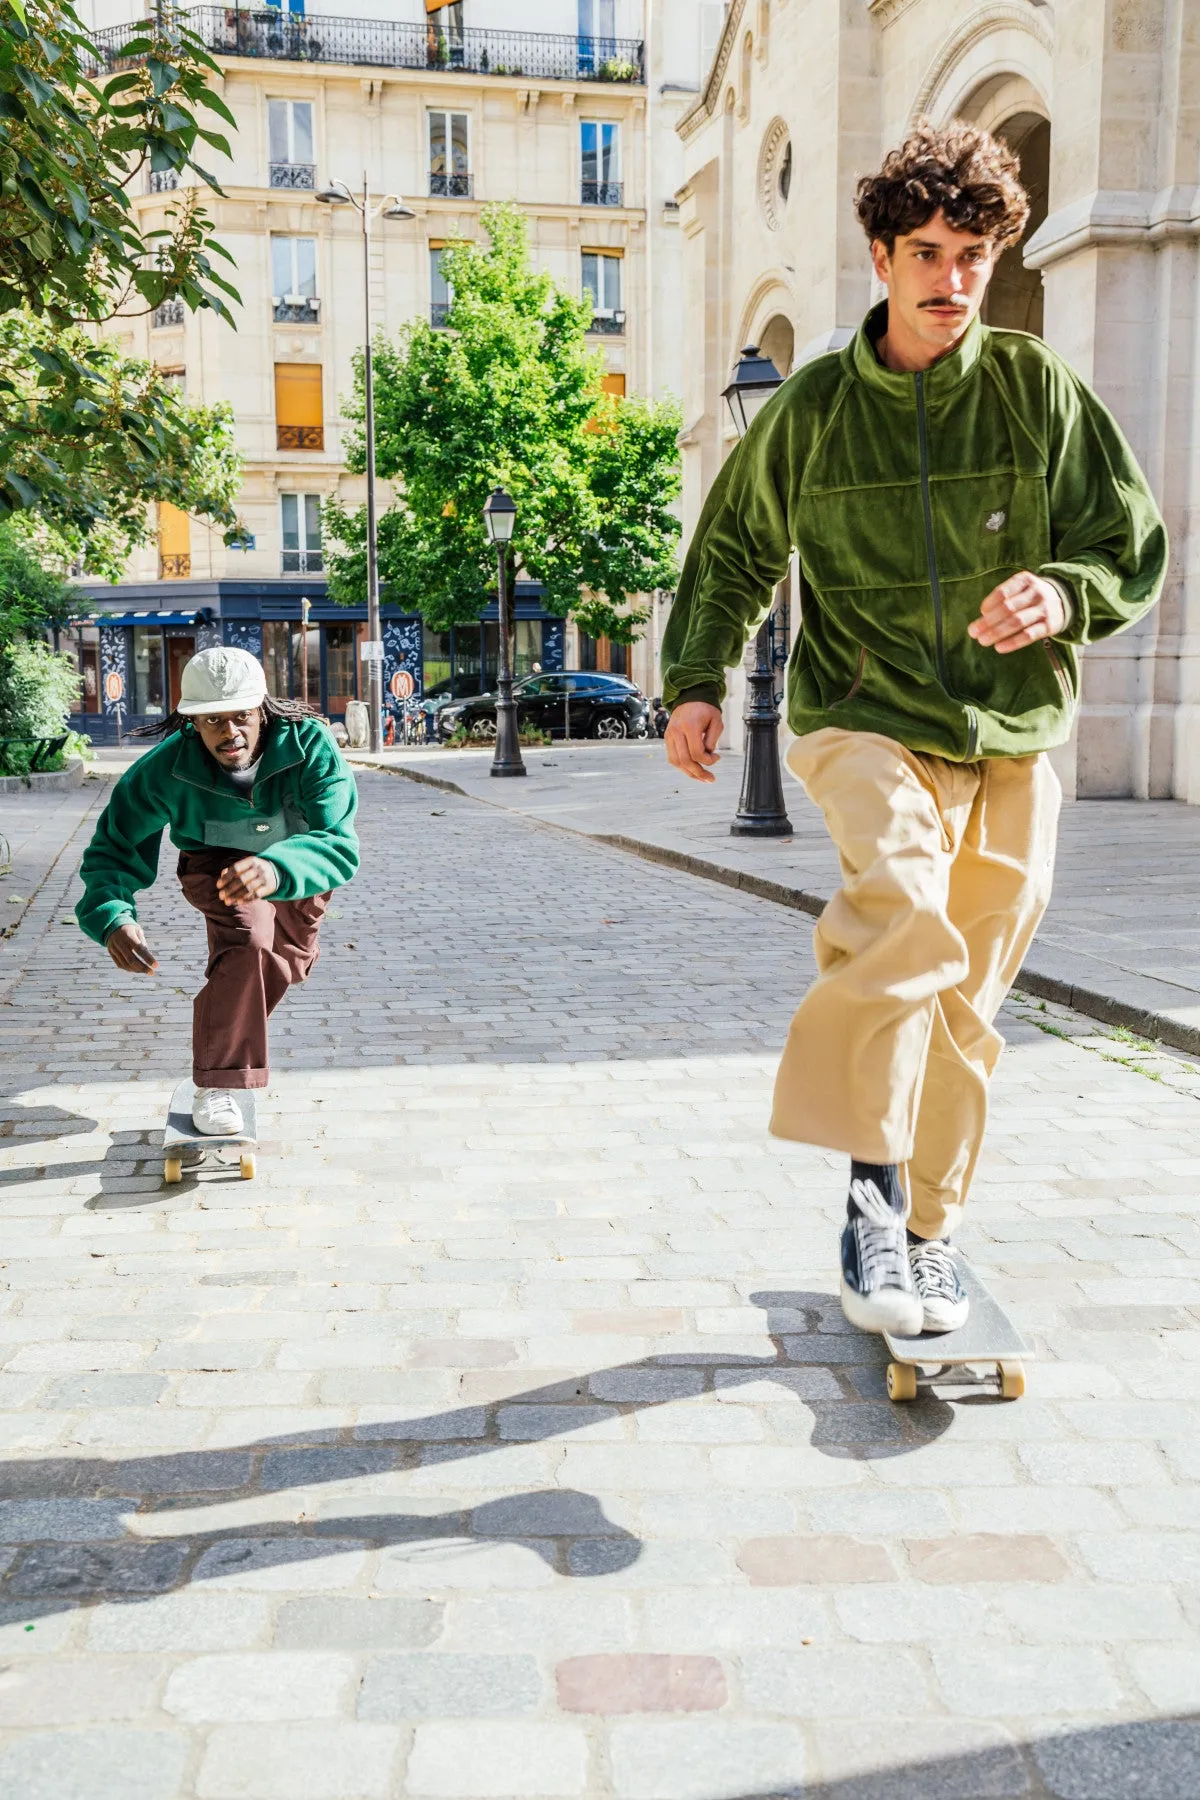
[250, 878]
[129, 950]
[1018, 612]
[692, 738]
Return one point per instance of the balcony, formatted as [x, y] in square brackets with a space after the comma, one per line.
[439, 314]
[392, 44]
[296, 309]
[162, 181]
[301, 562]
[451, 187]
[174, 568]
[299, 437]
[602, 193]
[608, 324]
[293, 175]
[168, 312]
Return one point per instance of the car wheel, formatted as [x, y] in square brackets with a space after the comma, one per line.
[484, 730]
[611, 727]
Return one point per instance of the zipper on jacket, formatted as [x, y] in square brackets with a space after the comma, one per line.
[935, 585]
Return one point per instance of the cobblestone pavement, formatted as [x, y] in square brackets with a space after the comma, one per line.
[503, 1439]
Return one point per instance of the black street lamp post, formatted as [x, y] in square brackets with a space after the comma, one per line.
[761, 810]
[500, 516]
[391, 207]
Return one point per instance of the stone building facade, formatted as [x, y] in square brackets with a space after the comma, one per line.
[568, 107]
[1101, 99]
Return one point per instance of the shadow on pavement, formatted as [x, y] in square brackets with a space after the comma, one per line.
[569, 1529]
[1145, 1759]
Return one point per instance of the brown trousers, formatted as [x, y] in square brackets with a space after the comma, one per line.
[256, 952]
[946, 871]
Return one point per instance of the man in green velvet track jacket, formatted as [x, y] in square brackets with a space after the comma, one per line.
[260, 803]
[966, 516]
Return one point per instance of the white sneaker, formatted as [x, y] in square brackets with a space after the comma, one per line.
[216, 1113]
[877, 1283]
[943, 1298]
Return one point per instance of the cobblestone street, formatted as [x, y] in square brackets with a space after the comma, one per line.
[504, 1437]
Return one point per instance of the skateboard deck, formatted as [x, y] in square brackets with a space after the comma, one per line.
[988, 1337]
[181, 1136]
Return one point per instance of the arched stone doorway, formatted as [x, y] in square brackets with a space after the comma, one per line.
[778, 341]
[1014, 297]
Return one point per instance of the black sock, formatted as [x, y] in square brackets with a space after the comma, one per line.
[886, 1177]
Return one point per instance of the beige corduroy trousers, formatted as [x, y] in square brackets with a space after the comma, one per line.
[947, 869]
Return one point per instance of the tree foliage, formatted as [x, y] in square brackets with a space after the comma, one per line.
[510, 395]
[79, 122]
[38, 688]
[89, 437]
[31, 594]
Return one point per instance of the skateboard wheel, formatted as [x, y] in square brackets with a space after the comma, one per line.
[172, 1169]
[901, 1381]
[1012, 1379]
[249, 1165]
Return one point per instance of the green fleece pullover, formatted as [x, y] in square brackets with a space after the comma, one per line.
[298, 816]
[908, 499]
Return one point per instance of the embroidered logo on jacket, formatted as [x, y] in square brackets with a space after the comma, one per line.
[995, 521]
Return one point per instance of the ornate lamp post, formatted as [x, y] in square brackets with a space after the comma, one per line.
[390, 207]
[500, 517]
[761, 810]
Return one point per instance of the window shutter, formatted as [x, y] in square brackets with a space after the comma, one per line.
[174, 530]
[299, 415]
[613, 384]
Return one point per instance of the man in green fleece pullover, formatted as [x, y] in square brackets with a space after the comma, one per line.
[259, 801]
[966, 515]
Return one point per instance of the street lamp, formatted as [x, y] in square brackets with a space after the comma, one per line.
[500, 517]
[761, 810]
[390, 207]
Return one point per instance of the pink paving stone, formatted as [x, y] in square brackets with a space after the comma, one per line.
[987, 1556]
[463, 1353]
[633, 1321]
[641, 1683]
[796, 1561]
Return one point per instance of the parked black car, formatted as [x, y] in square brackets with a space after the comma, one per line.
[588, 704]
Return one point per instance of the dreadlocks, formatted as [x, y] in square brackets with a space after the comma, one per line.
[271, 708]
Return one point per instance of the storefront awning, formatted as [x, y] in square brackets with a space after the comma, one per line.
[192, 617]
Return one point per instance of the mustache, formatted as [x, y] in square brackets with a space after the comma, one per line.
[958, 305]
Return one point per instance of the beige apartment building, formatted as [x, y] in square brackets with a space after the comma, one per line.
[1102, 101]
[568, 107]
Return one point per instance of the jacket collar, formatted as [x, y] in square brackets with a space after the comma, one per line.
[193, 765]
[948, 373]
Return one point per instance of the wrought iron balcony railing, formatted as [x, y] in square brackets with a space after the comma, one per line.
[603, 193]
[294, 310]
[299, 437]
[301, 562]
[169, 312]
[611, 324]
[174, 568]
[452, 187]
[439, 313]
[394, 44]
[293, 175]
[162, 181]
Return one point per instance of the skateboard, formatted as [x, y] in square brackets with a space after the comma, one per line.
[181, 1135]
[988, 1337]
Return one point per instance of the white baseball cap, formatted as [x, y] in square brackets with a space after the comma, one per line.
[222, 680]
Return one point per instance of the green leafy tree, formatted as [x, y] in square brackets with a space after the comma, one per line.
[31, 595]
[87, 437]
[510, 395]
[38, 688]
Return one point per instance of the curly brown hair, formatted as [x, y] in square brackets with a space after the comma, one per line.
[958, 170]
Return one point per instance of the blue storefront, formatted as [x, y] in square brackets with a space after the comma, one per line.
[134, 643]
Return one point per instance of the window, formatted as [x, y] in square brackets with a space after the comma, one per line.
[602, 280]
[712, 18]
[174, 542]
[149, 689]
[300, 518]
[89, 668]
[290, 134]
[449, 155]
[299, 411]
[600, 161]
[441, 294]
[276, 658]
[597, 33]
[340, 686]
[176, 378]
[603, 655]
[294, 280]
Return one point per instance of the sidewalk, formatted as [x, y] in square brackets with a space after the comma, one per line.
[1121, 941]
[45, 833]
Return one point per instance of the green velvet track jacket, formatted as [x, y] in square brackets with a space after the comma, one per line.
[908, 498]
[300, 817]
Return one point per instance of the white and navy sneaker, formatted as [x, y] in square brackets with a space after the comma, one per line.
[877, 1284]
[216, 1113]
[938, 1284]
